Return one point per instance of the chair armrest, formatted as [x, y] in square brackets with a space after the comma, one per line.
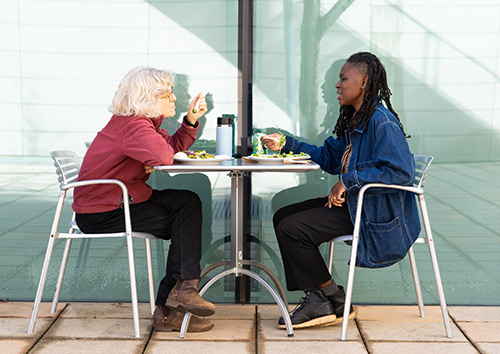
[390, 186]
[66, 186]
[126, 208]
[357, 223]
[71, 185]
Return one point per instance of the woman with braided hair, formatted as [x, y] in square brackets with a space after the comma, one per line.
[370, 147]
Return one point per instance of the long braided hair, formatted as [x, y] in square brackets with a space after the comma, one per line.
[376, 91]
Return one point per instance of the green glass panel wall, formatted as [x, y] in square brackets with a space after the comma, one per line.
[444, 76]
[61, 63]
[58, 75]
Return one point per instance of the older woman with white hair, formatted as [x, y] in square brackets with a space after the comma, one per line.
[124, 149]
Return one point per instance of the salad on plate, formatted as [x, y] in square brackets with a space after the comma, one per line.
[195, 155]
[282, 155]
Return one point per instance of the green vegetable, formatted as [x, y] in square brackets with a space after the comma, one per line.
[195, 110]
[201, 154]
[283, 155]
[282, 142]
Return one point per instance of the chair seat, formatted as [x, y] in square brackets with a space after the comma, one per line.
[79, 234]
[342, 238]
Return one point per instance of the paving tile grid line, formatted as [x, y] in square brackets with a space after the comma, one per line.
[107, 327]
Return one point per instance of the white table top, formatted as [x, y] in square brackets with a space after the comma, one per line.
[238, 165]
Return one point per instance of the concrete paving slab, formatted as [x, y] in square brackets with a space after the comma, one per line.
[23, 309]
[16, 346]
[18, 327]
[475, 313]
[489, 348]
[234, 312]
[415, 347]
[269, 331]
[88, 346]
[161, 347]
[224, 330]
[408, 331]
[398, 313]
[281, 347]
[97, 328]
[104, 310]
[481, 332]
[271, 312]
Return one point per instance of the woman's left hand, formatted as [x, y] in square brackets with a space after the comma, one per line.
[148, 169]
[337, 195]
[202, 108]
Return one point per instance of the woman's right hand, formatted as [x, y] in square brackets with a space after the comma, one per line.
[337, 195]
[192, 117]
[272, 141]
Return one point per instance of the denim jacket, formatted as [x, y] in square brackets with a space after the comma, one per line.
[380, 154]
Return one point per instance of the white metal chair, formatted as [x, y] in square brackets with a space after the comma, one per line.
[67, 166]
[422, 164]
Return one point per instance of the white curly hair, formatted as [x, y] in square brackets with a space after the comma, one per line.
[140, 91]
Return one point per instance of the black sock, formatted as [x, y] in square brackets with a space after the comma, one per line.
[330, 289]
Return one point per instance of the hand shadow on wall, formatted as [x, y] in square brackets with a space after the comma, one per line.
[316, 183]
[196, 182]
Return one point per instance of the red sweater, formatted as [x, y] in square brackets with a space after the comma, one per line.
[120, 151]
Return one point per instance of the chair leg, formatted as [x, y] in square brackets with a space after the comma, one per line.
[440, 290]
[149, 264]
[437, 275]
[350, 283]
[133, 286]
[330, 257]
[416, 282]
[60, 278]
[41, 285]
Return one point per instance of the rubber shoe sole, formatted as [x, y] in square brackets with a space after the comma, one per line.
[315, 322]
[352, 316]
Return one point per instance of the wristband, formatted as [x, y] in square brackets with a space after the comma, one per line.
[188, 123]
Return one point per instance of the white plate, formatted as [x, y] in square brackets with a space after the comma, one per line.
[216, 159]
[276, 159]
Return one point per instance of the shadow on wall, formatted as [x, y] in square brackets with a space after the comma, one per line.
[317, 183]
[439, 126]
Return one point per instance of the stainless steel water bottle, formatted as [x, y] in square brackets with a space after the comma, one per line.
[224, 135]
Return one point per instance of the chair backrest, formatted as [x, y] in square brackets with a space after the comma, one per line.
[422, 164]
[67, 165]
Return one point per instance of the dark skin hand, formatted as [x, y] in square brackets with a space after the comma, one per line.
[337, 195]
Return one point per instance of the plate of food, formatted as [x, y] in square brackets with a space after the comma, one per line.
[273, 158]
[198, 157]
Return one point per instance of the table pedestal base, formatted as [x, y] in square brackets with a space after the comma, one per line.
[237, 271]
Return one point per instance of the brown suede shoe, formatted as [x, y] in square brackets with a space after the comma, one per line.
[185, 297]
[167, 320]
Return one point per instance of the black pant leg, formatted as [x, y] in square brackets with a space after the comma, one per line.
[169, 214]
[300, 228]
[183, 261]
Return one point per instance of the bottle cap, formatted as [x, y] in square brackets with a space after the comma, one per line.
[226, 119]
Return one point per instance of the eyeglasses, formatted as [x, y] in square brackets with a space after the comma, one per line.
[169, 96]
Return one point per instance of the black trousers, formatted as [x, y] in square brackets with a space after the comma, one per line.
[300, 228]
[169, 214]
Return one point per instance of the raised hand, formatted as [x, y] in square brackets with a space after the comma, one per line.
[193, 113]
